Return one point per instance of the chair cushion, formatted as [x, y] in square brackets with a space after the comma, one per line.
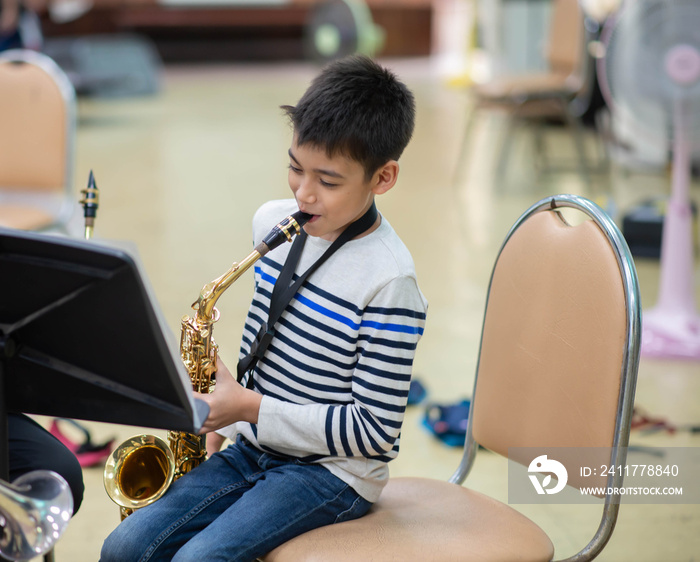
[521, 88]
[424, 520]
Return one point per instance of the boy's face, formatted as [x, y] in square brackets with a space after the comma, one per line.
[333, 190]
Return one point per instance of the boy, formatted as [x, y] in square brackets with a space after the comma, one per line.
[321, 419]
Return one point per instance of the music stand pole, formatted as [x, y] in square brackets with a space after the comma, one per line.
[4, 431]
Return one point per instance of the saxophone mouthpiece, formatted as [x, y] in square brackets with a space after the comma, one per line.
[90, 202]
[285, 230]
[301, 217]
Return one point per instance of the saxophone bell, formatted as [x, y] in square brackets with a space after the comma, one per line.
[138, 472]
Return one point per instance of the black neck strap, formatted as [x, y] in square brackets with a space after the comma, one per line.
[284, 289]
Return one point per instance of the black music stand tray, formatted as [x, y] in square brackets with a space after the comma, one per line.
[81, 337]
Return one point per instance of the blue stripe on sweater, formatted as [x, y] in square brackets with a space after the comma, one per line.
[388, 327]
[351, 308]
[329, 432]
[358, 436]
[343, 437]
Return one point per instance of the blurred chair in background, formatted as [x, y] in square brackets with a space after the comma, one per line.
[37, 138]
[539, 97]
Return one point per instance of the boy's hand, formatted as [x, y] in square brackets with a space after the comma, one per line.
[230, 402]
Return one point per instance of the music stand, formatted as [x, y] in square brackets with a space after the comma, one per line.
[81, 337]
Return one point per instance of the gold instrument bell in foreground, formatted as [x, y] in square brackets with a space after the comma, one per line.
[138, 472]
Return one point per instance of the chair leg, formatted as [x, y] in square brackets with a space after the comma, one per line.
[541, 161]
[602, 135]
[463, 160]
[499, 177]
[515, 120]
[576, 130]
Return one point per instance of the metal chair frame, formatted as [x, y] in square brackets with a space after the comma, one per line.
[629, 367]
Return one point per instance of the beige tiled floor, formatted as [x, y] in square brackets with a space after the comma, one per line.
[180, 175]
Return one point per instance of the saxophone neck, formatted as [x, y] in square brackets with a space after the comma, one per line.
[210, 293]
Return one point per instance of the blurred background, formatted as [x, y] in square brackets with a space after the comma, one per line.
[175, 110]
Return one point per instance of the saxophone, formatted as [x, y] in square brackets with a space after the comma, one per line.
[142, 468]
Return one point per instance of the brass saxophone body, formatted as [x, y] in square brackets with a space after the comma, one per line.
[142, 468]
[199, 353]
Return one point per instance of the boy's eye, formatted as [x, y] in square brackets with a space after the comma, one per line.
[299, 171]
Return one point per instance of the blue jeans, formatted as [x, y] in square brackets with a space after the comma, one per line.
[238, 505]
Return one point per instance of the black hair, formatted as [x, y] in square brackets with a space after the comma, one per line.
[357, 108]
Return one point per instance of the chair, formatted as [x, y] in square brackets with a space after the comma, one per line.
[557, 368]
[37, 137]
[542, 96]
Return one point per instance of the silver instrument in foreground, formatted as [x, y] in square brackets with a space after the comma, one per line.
[34, 512]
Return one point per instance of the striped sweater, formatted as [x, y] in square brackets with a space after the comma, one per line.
[335, 377]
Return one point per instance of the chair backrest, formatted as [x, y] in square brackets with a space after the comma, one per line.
[560, 345]
[37, 117]
[565, 51]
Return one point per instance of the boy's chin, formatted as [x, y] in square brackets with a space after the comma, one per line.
[312, 230]
[318, 231]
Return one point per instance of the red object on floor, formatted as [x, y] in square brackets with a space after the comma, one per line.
[87, 453]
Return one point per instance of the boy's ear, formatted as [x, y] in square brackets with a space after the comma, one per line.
[385, 177]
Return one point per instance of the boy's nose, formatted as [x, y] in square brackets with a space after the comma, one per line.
[305, 192]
